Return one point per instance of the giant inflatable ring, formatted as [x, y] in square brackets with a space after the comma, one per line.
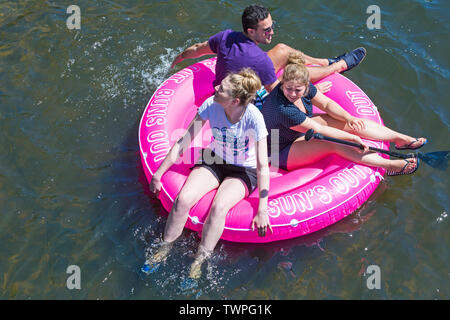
[300, 201]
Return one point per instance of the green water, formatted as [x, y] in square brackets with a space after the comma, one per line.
[72, 190]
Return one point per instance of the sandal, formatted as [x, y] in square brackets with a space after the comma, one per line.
[352, 59]
[152, 264]
[408, 146]
[403, 171]
[150, 267]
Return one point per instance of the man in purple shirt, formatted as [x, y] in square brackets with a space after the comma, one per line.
[236, 50]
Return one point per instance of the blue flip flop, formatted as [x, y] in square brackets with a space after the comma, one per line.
[149, 268]
[403, 170]
[352, 59]
[408, 146]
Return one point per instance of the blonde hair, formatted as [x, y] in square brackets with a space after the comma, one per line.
[244, 85]
[295, 70]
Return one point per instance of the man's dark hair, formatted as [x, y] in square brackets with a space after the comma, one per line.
[252, 15]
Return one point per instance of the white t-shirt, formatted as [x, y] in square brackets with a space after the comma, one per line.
[234, 142]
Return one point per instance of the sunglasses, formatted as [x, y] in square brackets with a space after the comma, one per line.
[269, 29]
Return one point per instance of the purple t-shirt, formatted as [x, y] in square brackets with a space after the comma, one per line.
[235, 51]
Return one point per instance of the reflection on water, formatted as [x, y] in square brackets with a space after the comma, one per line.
[74, 193]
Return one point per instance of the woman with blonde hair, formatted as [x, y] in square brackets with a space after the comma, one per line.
[288, 109]
[236, 163]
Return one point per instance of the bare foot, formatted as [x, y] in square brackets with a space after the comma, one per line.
[196, 266]
[162, 252]
[153, 263]
[196, 269]
[411, 143]
[402, 166]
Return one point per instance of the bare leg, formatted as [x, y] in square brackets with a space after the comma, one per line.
[199, 182]
[372, 130]
[318, 73]
[231, 191]
[280, 53]
[303, 153]
[312, 60]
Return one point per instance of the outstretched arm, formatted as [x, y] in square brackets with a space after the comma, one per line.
[334, 110]
[174, 152]
[261, 220]
[194, 51]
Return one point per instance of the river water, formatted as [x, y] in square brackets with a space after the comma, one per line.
[73, 192]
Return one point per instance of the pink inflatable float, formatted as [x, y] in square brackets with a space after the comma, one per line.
[300, 202]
